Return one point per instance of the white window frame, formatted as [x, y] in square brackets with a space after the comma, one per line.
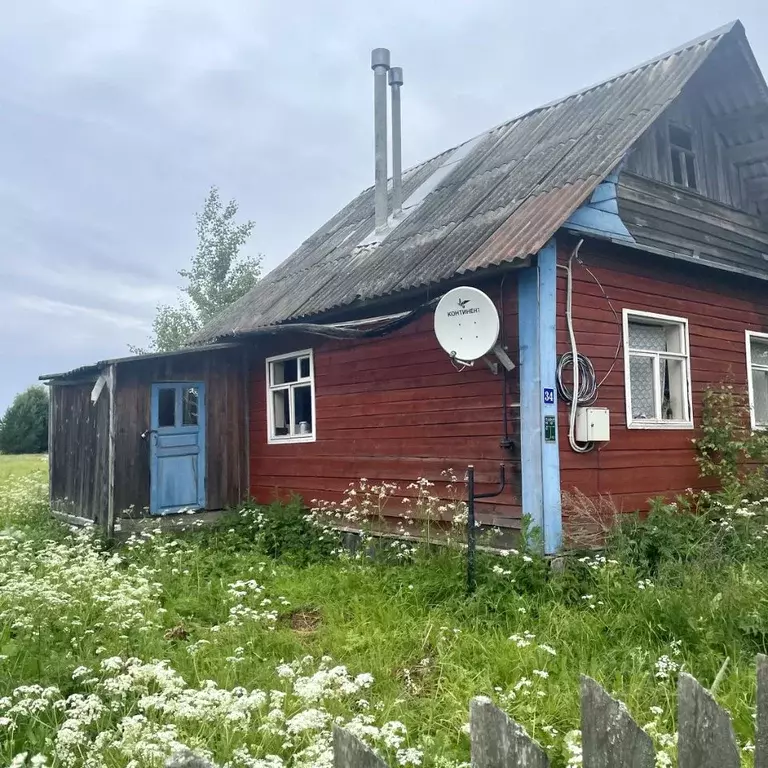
[629, 315]
[271, 436]
[683, 153]
[748, 336]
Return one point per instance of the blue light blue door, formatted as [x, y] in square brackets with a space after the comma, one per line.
[177, 447]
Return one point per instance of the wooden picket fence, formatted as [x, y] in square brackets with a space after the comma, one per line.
[610, 737]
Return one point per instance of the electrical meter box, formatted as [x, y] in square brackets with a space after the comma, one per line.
[593, 425]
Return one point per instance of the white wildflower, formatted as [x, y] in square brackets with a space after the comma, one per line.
[409, 756]
[393, 734]
[307, 720]
[665, 668]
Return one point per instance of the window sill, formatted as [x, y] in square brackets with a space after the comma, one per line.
[272, 440]
[652, 424]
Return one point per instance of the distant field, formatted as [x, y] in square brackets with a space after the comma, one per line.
[20, 465]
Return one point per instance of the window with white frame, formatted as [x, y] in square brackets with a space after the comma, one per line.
[291, 397]
[757, 376]
[683, 156]
[657, 375]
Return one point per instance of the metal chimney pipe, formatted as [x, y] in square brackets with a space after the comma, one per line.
[380, 65]
[395, 81]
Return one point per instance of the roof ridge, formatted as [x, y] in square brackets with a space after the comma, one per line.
[712, 35]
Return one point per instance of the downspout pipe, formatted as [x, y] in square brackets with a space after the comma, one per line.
[395, 81]
[380, 67]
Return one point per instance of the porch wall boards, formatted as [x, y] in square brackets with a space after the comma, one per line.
[223, 374]
[100, 466]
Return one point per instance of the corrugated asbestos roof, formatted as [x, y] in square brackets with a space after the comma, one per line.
[93, 370]
[508, 192]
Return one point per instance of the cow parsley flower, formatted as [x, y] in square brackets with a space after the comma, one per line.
[307, 720]
[665, 668]
[409, 756]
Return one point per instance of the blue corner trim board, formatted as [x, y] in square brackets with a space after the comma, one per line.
[530, 386]
[599, 216]
[550, 450]
[540, 457]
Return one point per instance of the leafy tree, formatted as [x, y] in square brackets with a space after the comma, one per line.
[24, 427]
[218, 276]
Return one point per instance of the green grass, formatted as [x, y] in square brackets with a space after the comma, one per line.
[680, 587]
[19, 464]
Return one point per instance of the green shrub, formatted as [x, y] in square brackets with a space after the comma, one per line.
[286, 530]
[24, 427]
[728, 449]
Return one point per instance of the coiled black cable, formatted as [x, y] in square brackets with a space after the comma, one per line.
[587, 393]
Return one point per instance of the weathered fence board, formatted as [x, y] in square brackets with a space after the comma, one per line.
[498, 741]
[609, 735]
[705, 734]
[761, 737]
[349, 751]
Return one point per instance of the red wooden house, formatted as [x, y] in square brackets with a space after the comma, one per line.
[629, 220]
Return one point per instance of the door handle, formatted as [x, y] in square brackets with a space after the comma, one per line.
[147, 432]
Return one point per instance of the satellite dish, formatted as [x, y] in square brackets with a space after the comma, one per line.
[466, 323]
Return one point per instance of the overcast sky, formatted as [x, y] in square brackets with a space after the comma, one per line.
[115, 119]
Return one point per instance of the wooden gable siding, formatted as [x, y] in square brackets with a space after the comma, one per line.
[223, 372]
[393, 409]
[674, 219]
[79, 451]
[717, 177]
[638, 464]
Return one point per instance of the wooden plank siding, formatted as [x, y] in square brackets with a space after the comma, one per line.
[392, 409]
[638, 464]
[673, 219]
[78, 452]
[717, 176]
[224, 375]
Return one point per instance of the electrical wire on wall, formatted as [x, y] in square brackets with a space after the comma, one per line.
[585, 385]
[372, 328]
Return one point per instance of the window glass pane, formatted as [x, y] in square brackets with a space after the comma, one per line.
[166, 408]
[680, 137]
[652, 338]
[677, 167]
[281, 415]
[675, 338]
[642, 395]
[285, 371]
[759, 350]
[690, 167]
[302, 407]
[674, 390]
[304, 366]
[760, 396]
[189, 406]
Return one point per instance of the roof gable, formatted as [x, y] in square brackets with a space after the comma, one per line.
[506, 193]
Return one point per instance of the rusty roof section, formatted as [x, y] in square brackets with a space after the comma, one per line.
[499, 199]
